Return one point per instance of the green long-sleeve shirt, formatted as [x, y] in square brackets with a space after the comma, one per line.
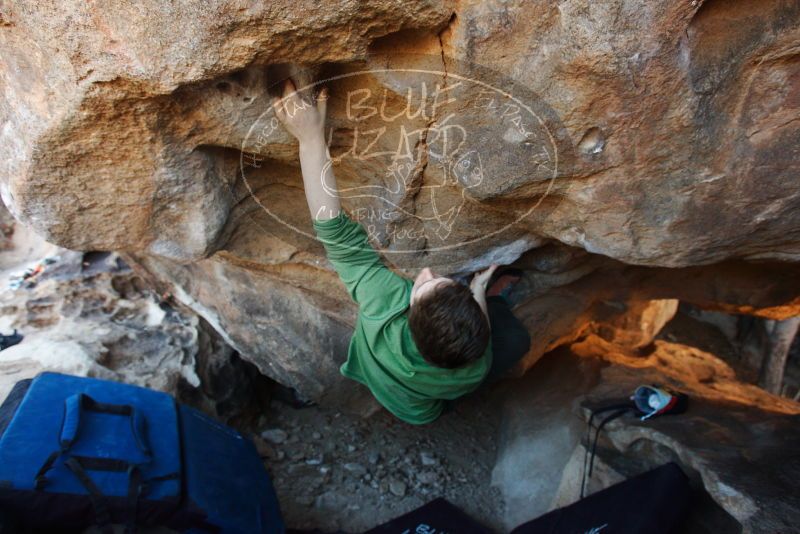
[382, 354]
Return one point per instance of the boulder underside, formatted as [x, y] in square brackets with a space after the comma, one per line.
[618, 154]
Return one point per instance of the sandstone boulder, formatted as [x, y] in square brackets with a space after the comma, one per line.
[88, 314]
[582, 138]
[734, 442]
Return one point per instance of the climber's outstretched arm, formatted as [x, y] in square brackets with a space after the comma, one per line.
[377, 290]
[304, 117]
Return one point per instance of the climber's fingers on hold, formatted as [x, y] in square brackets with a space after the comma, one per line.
[288, 94]
[487, 273]
[482, 278]
[322, 101]
[289, 88]
[277, 107]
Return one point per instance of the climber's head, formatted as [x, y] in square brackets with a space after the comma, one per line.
[446, 322]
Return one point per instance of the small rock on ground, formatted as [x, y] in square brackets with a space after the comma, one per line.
[275, 435]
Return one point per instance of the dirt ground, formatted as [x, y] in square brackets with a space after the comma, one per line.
[334, 471]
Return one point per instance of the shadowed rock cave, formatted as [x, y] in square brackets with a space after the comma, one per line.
[638, 163]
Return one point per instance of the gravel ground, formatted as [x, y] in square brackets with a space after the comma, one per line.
[337, 471]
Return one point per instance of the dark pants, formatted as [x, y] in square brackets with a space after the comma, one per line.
[510, 338]
[510, 342]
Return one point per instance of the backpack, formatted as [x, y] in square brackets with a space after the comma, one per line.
[77, 452]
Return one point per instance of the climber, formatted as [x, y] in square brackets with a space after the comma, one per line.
[416, 344]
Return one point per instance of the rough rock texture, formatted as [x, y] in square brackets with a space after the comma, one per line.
[744, 456]
[741, 341]
[538, 436]
[94, 320]
[735, 442]
[90, 315]
[666, 138]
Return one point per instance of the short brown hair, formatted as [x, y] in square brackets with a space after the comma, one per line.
[448, 326]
